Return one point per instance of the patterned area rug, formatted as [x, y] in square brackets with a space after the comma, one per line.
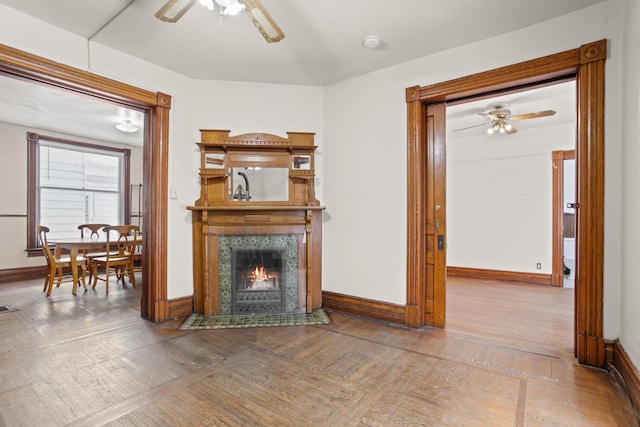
[198, 321]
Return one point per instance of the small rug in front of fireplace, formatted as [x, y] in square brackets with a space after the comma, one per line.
[198, 321]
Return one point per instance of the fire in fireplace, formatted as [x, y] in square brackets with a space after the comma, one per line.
[258, 281]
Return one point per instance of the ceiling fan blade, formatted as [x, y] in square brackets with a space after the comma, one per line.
[533, 115]
[470, 127]
[174, 9]
[263, 21]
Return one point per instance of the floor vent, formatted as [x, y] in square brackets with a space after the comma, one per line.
[7, 308]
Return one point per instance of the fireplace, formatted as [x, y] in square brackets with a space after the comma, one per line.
[258, 280]
[260, 274]
[260, 253]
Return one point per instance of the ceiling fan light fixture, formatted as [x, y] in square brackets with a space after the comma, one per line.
[126, 126]
[208, 4]
[174, 9]
[231, 8]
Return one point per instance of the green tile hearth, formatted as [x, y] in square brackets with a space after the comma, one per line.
[199, 321]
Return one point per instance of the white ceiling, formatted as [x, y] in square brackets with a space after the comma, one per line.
[322, 44]
[56, 110]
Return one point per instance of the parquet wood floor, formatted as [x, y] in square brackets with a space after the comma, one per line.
[505, 360]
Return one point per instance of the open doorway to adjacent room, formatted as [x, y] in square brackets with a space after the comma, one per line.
[500, 217]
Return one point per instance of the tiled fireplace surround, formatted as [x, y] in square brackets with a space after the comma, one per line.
[218, 230]
[291, 280]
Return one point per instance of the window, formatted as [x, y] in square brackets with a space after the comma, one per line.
[72, 183]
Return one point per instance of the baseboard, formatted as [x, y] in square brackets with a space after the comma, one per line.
[180, 307]
[501, 275]
[628, 372]
[363, 307]
[22, 273]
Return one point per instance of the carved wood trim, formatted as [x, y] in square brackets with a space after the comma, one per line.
[363, 307]
[589, 276]
[416, 192]
[20, 64]
[586, 64]
[551, 67]
[39, 69]
[501, 275]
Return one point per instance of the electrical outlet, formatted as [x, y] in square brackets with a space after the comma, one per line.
[539, 266]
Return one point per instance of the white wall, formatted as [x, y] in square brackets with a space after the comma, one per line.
[13, 193]
[365, 119]
[499, 198]
[630, 124]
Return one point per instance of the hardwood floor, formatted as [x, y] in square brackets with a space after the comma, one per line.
[91, 360]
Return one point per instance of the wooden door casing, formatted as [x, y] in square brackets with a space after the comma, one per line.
[154, 305]
[586, 65]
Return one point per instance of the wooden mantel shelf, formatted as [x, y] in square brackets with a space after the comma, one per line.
[255, 208]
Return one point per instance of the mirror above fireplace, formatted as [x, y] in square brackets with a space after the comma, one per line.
[259, 184]
[257, 169]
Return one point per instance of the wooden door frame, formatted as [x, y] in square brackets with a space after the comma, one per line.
[557, 252]
[155, 105]
[587, 65]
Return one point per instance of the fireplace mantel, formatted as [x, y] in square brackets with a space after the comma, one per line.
[230, 209]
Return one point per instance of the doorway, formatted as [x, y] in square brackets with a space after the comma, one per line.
[156, 105]
[499, 215]
[426, 298]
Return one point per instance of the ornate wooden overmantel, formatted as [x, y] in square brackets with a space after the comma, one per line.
[280, 200]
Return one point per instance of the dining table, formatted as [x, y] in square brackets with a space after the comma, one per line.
[75, 244]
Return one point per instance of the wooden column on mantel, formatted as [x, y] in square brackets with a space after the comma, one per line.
[224, 209]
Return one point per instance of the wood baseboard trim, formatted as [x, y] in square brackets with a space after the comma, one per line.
[22, 273]
[628, 372]
[180, 307]
[363, 307]
[507, 276]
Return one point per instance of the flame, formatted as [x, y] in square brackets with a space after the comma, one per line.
[262, 279]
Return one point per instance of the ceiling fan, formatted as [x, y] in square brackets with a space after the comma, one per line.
[500, 116]
[174, 9]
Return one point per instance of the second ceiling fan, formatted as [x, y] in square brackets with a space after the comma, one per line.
[173, 10]
[500, 116]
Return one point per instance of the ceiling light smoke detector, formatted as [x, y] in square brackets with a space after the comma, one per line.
[371, 42]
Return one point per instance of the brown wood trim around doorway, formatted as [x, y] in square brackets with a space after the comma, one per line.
[585, 64]
[156, 105]
[557, 252]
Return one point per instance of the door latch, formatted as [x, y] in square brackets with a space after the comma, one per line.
[440, 242]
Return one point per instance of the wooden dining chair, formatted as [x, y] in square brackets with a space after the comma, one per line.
[92, 231]
[57, 264]
[119, 256]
